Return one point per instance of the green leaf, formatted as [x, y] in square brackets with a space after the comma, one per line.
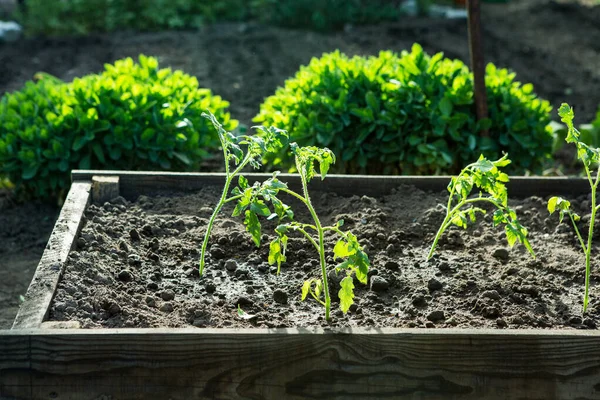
[446, 106]
[182, 157]
[342, 250]
[260, 208]
[29, 171]
[253, 226]
[97, 148]
[346, 293]
[306, 288]
[242, 182]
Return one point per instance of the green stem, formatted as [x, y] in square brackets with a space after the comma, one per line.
[310, 239]
[449, 214]
[321, 247]
[588, 250]
[222, 201]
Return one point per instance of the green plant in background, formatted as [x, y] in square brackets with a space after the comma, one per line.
[323, 15]
[252, 202]
[131, 116]
[590, 157]
[410, 113]
[80, 17]
[487, 177]
[251, 199]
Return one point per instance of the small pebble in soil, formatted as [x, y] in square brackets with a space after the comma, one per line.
[216, 252]
[134, 235]
[231, 265]
[434, 285]
[134, 259]
[243, 301]
[113, 309]
[152, 286]
[436, 315]
[491, 312]
[167, 295]
[491, 294]
[166, 308]
[123, 246]
[529, 289]
[280, 296]
[150, 301]
[125, 276]
[379, 284]
[501, 323]
[392, 265]
[419, 301]
[501, 254]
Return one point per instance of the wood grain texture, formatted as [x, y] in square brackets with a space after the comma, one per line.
[41, 290]
[133, 184]
[104, 188]
[299, 364]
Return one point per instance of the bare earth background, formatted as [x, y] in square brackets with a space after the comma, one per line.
[555, 46]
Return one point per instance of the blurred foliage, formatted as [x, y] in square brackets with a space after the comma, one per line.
[80, 17]
[133, 116]
[323, 15]
[410, 113]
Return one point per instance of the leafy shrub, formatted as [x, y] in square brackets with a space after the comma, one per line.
[132, 116]
[323, 15]
[67, 17]
[410, 113]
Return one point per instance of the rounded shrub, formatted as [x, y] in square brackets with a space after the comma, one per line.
[132, 116]
[410, 113]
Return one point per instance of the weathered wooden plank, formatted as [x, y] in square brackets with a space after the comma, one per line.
[133, 184]
[104, 188]
[41, 290]
[299, 363]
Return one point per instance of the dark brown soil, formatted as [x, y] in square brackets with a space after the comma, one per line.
[136, 265]
[553, 45]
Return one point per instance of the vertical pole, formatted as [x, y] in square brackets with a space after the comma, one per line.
[477, 63]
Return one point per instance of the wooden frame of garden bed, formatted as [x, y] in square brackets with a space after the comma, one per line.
[38, 361]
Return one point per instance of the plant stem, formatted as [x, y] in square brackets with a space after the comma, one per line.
[321, 246]
[450, 214]
[222, 201]
[588, 250]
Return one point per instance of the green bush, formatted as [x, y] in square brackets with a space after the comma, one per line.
[131, 116]
[79, 17]
[410, 113]
[323, 15]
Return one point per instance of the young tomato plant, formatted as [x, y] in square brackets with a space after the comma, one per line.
[590, 157]
[251, 200]
[486, 176]
[355, 260]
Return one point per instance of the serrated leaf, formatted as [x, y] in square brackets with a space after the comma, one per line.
[346, 293]
[260, 208]
[306, 288]
[253, 226]
[342, 250]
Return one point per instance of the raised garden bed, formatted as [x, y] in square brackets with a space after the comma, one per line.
[287, 350]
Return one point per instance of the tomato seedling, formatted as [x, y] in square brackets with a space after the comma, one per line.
[590, 157]
[347, 247]
[256, 146]
[485, 175]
